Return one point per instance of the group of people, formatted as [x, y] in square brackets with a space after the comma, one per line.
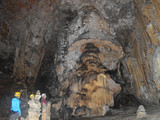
[15, 105]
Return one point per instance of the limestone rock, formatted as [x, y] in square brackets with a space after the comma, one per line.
[141, 63]
[34, 111]
[96, 95]
[57, 106]
[141, 112]
[46, 111]
[75, 41]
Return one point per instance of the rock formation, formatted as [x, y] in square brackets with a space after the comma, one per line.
[46, 111]
[87, 48]
[141, 61]
[141, 112]
[34, 111]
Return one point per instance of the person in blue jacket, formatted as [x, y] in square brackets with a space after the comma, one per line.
[15, 107]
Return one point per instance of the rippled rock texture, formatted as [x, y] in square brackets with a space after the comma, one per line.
[87, 50]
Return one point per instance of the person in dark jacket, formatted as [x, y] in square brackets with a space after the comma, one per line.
[15, 107]
[43, 100]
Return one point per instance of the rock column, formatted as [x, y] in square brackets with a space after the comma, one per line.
[46, 111]
[34, 107]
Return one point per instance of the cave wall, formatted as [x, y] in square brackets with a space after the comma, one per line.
[27, 26]
[142, 57]
[25, 29]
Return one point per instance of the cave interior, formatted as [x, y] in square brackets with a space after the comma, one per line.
[89, 57]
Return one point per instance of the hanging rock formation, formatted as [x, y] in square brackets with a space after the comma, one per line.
[88, 52]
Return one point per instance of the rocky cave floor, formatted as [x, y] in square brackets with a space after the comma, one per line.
[127, 113]
[123, 113]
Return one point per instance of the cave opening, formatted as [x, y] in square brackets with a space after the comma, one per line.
[6, 65]
[123, 99]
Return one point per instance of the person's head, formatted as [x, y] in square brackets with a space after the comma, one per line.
[31, 96]
[17, 94]
[44, 95]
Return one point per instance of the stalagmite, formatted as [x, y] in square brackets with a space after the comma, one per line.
[35, 107]
[46, 111]
[34, 111]
[141, 112]
[45, 108]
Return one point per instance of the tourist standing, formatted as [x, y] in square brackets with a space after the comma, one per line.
[15, 107]
[44, 106]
